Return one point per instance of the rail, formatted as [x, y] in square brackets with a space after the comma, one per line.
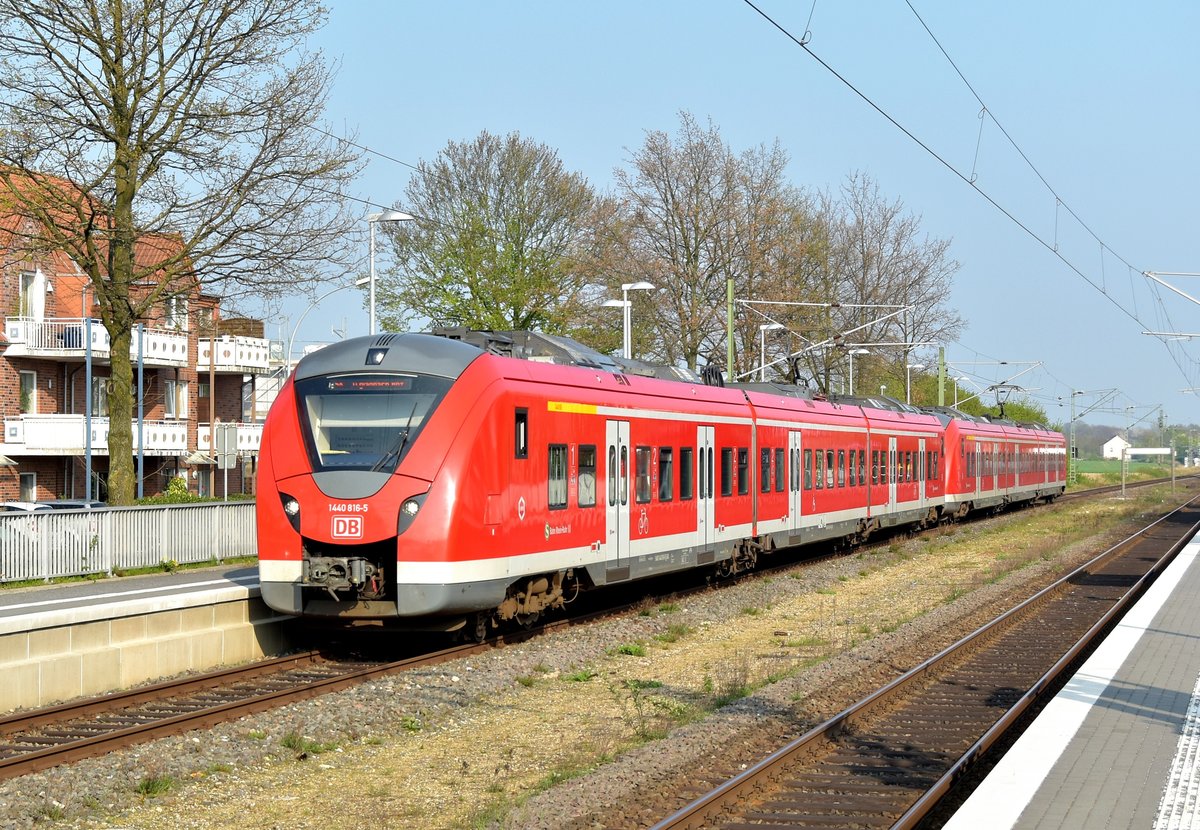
[47, 544]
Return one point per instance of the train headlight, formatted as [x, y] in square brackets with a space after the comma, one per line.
[291, 509]
[408, 512]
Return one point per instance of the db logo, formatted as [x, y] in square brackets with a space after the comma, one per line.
[347, 527]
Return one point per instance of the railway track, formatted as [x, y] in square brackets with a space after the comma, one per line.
[889, 759]
[40, 739]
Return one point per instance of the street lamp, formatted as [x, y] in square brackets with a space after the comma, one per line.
[311, 306]
[957, 381]
[627, 338]
[908, 367]
[372, 220]
[762, 348]
[851, 353]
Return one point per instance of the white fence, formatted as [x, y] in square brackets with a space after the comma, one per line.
[46, 544]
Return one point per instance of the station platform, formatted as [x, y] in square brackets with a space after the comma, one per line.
[66, 640]
[1119, 746]
[66, 603]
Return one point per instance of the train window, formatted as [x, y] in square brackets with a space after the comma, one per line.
[726, 471]
[642, 482]
[874, 466]
[687, 473]
[365, 421]
[624, 475]
[611, 472]
[558, 476]
[862, 466]
[521, 438]
[794, 475]
[743, 471]
[587, 475]
[711, 473]
[666, 473]
[841, 470]
[808, 469]
[819, 470]
[780, 470]
[850, 477]
[829, 469]
[764, 469]
[909, 472]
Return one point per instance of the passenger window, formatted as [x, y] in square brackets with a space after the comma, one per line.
[808, 470]
[841, 470]
[862, 466]
[829, 469]
[666, 473]
[558, 476]
[642, 482]
[820, 469]
[780, 471]
[624, 475]
[726, 471]
[611, 472]
[521, 433]
[587, 476]
[874, 466]
[687, 473]
[764, 470]
[743, 471]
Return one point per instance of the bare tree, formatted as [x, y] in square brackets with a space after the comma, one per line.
[181, 122]
[500, 240]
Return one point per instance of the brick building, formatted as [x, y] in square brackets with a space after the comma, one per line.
[50, 334]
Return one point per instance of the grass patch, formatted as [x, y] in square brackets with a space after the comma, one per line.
[630, 650]
[303, 746]
[674, 633]
[581, 676]
[155, 785]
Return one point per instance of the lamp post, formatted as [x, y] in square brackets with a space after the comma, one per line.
[311, 306]
[627, 338]
[372, 220]
[762, 348]
[908, 367]
[957, 381]
[851, 353]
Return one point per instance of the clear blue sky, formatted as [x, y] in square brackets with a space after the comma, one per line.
[1102, 98]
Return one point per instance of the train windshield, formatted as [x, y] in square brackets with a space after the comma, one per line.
[365, 421]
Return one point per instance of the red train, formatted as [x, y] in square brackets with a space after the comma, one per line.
[428, 482]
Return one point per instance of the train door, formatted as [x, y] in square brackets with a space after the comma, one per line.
[617, 515]
[921, 470]
[795, 479]
[978, 467]
[705, 503]
[891, 474]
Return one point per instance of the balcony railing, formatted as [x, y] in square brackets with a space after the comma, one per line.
[249, 355]
[249, 438]
[65, 435]
[67, 337]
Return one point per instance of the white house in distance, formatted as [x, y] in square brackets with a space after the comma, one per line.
[1115, 447]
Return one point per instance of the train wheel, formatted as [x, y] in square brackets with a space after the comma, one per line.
[477, 626]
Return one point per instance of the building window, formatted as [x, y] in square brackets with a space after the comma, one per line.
[28, 487]
[176, 313]
[558, 476]
[587, 475]
[100, 389]
[175, 400]
[28, 392]
[25, 298]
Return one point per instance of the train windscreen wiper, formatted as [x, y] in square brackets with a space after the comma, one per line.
[392, 456]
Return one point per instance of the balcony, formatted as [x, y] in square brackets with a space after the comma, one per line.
[243, 355]
[65, 339]
[249, 438]
[65, 435]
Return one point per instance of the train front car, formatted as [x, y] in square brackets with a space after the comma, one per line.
[350, 451]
